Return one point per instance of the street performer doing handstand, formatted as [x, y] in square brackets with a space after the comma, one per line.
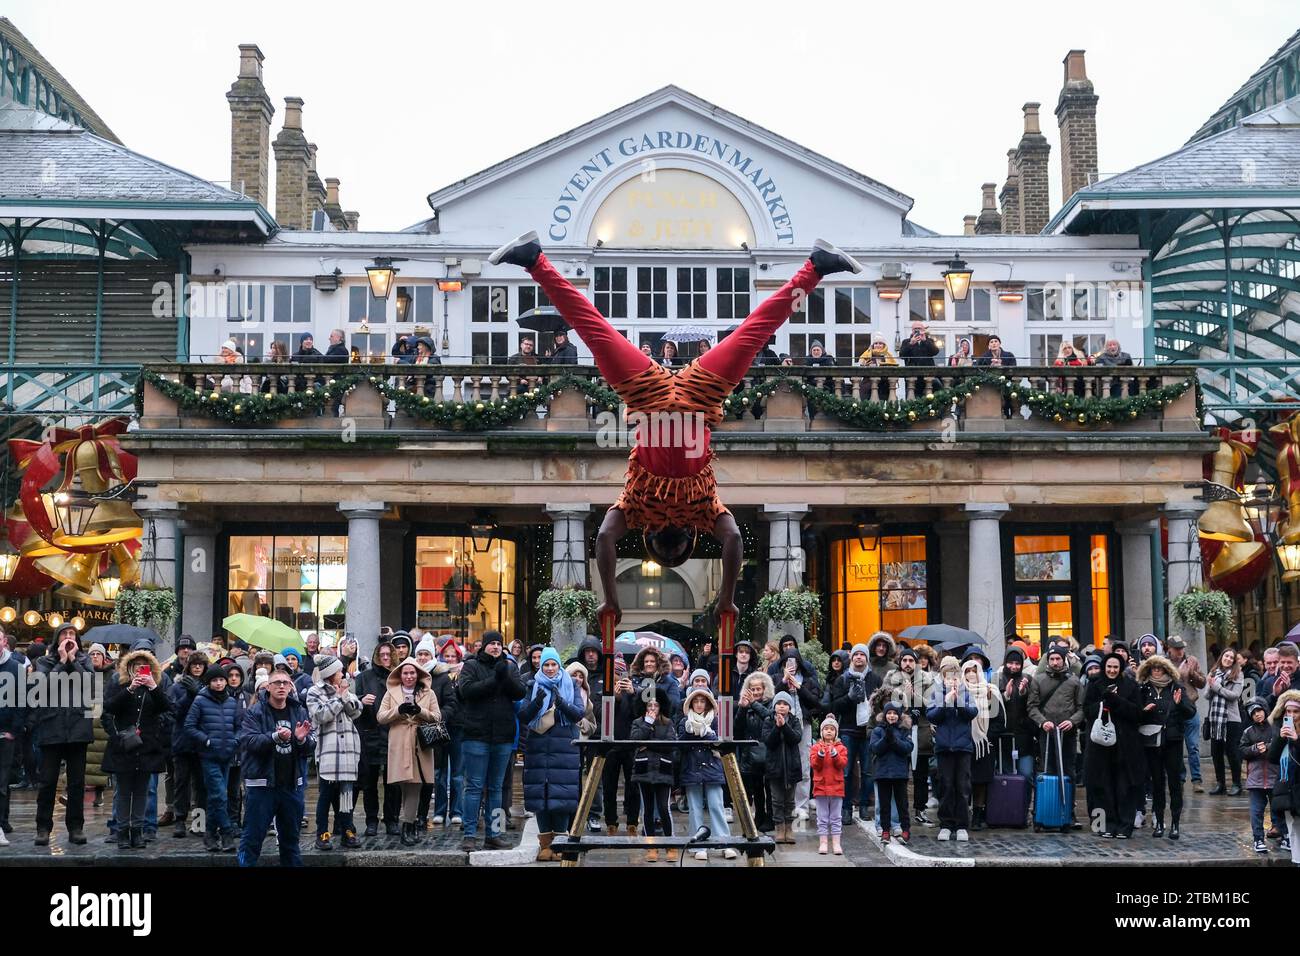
[671, 493]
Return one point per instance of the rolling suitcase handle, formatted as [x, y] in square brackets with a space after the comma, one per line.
[1060, 769]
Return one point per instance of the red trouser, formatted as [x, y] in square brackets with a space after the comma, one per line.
[619, 360]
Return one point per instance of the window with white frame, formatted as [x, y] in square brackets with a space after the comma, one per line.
[978, 307]
[532, 297]
[364, 307]
[414, 304]
[733, 292]
[489, 303]
[926, 305]
[848, 346]
[652, 292]
[852, 305]
[611, 291]
[810, 309]
[1044, 304]
[1088, 302]
[1044, 347]
[692, 292]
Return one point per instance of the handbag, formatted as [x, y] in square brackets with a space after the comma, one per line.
[130, 740]
[433, 734]
[1153, 735]
[1103, 731]
[1280, 800]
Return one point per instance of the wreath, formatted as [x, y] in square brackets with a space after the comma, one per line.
[463, 592]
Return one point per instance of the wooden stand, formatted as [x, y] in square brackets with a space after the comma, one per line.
[572, 846]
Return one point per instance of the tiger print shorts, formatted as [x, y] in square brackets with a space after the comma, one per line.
[693, 389]
[650, 502]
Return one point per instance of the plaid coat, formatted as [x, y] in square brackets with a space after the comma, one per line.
[338, 743]
[1224, 703]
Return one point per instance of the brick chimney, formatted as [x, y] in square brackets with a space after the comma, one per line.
[332, 207]
[315, 188]
[989, 221]
[1076, 112]
[250, 127]
[1031, 162]
[292, 156]
[1010, 198]
[968, 225]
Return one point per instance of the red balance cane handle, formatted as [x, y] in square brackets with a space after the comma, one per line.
[608, 629]
[726, 649]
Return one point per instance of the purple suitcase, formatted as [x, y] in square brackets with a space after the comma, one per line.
[1008, 804]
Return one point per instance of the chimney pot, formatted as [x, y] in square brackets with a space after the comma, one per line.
[989, 190]
[293, 112]
[1031, 117]
[1075, 69]
[250, 61]
[332, 192]
[968, 225]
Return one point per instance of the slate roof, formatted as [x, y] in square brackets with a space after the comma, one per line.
[56, 80]
[43, 158]
[1262, 84]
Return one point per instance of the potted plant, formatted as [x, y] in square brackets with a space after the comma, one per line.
[154, 608]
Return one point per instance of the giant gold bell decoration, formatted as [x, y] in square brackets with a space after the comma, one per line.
[1226, 520]
[1286, 437]
[76, 570]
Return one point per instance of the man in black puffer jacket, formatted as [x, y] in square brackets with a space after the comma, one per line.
[371, 685]
[63, 733]
[488, 687]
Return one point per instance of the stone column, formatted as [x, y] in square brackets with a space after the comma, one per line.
[985, 613]
[1185, 568]
[1139, 592]
[392, 557]
[568, 563]
[785, 558]
[198, 576]
[364, 579]
[158, 554]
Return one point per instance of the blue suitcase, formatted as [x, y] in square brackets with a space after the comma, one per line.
[1053, 794]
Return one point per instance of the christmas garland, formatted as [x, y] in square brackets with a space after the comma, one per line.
[872, 415]
[482, 415]
[256, 408]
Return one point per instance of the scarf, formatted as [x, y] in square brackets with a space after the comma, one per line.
[1163, 681]
[1220, 706]
[699, 724]
[552, 689]
[863, 713]
[983, 700]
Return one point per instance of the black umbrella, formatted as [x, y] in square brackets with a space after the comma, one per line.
[119, 634]
[944, 636]
[545, 318]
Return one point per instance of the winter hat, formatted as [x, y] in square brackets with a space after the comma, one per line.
[289, 652]
[238, 645]
[1149, 639]
[698, 692]
[213, 673]
[783, 696]
[549, 654]
[185, 641]
[1013, 652]
[700, 672]
[1092, 660]
[449, 642]
[816, 344]
[99, 648]
[830, 720]
[788, 639]
[305, 338]
[327, 665]
[427, 644]
[491, 637]
[1255, 705]
[861, 649]
[905, 652]
[949, 663]
[574, 667]
[895, 706]
[230, 345]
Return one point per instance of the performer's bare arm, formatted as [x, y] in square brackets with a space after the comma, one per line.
[611, 529]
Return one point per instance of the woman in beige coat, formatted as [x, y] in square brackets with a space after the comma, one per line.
[408, 702]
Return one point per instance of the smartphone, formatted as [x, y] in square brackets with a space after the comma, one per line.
[143, 670]
[1288, 722]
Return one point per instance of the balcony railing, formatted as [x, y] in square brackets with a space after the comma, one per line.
[571, 398]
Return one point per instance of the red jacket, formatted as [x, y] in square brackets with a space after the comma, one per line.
[828, 771]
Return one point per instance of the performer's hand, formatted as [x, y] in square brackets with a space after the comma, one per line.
[610, 606]
[726, 606]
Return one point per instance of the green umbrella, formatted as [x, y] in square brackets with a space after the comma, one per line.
[263, 632]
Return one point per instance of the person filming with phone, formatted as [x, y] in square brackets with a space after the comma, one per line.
[137, 719]
[1284, 750]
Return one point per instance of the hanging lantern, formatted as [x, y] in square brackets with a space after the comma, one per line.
[55, 620]
[32, 618]
[1289, 556]
[9, 558]
[79, 623]
[110, 587]
[7, 615]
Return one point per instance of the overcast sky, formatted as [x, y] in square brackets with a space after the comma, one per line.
[405, 98]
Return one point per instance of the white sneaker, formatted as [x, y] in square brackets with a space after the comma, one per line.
[729, 854]
[802, 813]
[1137, 821]
[945, 834]
[896, 831]
[932, 803]
[963, 836]
[438, 820]
[702, 855]
[457, 821]
[726, 814]
[4, 840]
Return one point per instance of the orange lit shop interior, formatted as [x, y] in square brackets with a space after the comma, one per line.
[1056, 581]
